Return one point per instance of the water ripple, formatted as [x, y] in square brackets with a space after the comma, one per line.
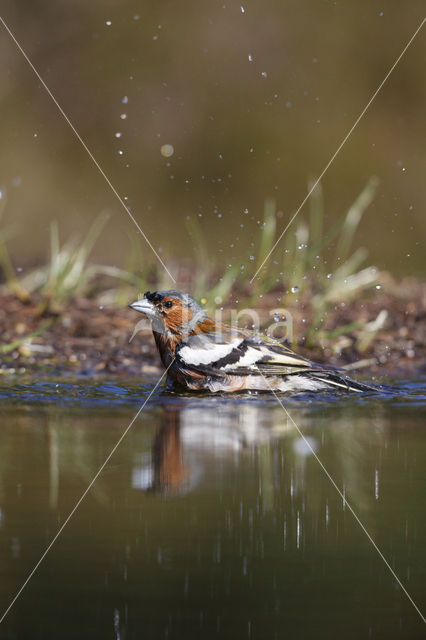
[122, 392]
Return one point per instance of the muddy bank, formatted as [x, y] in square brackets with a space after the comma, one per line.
[381, 334]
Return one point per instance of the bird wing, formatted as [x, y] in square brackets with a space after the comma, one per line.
[237, 353]
[218, 354]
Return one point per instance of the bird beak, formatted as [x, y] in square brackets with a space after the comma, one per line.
[144, 306]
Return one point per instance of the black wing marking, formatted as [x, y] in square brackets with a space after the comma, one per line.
[219, 355]
[238, 355]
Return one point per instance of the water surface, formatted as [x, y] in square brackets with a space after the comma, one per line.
[213, 518]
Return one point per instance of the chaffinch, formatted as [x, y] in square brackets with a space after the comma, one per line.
[203, 355]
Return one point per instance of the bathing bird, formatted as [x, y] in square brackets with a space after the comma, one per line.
[201, 354]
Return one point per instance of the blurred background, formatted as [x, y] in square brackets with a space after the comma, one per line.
[205, 109]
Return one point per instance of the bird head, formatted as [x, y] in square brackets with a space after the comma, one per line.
[170, 311]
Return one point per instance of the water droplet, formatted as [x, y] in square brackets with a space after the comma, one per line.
[378, 286]
[120, 152]
[250, 57]
[264, 74]
[294, 289]
[125, 100]
[252, 258]
[242, 9]
[329, 275]
[167, 150]
[123, 116]
[108, 23]
[276, 317]
[118, 134]
[245, 211]
[242, 267]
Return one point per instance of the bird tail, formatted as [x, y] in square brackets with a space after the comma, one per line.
[338, 381]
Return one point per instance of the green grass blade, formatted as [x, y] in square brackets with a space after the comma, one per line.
[6, 348]
[353, 218]
[268, 230]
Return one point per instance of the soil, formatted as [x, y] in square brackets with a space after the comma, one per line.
[86, 339]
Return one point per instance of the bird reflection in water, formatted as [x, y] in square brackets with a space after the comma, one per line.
[198, 442]
[170, 473]
[189, 436]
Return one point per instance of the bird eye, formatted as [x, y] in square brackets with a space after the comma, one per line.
[168, 304]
